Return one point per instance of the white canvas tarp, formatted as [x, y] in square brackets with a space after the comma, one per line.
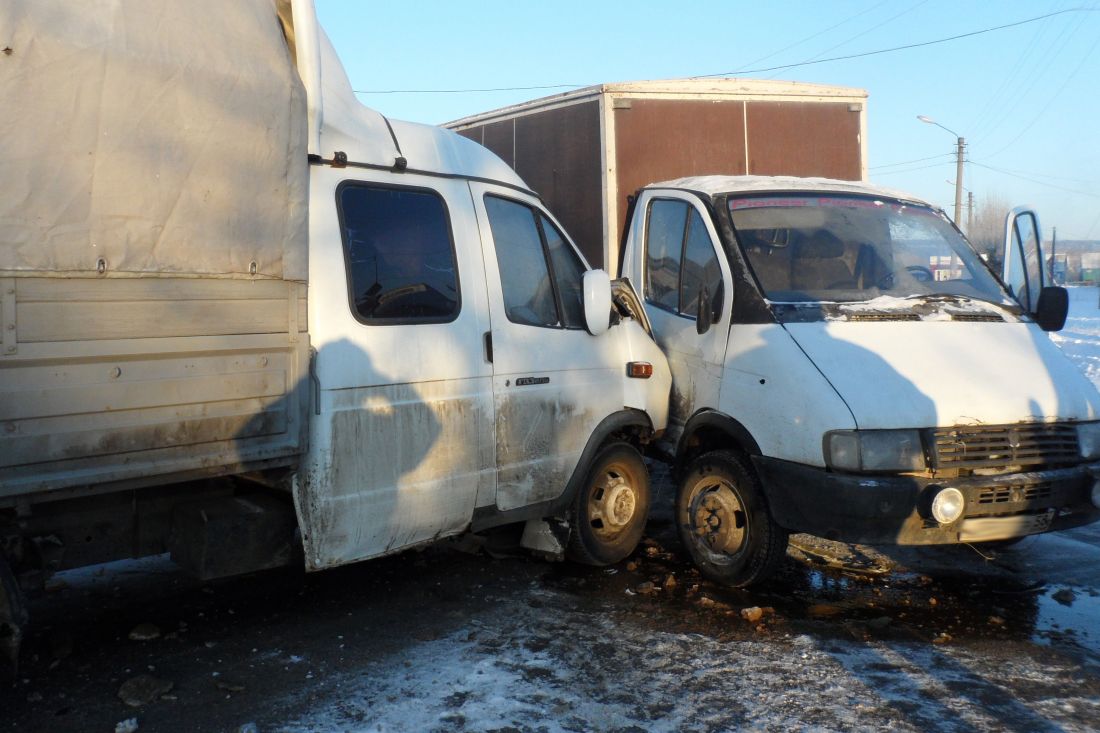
[162, 136]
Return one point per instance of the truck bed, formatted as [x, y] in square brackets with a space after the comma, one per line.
[112, 380]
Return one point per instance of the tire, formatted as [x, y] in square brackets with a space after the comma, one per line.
[609, 512]
[724, 521]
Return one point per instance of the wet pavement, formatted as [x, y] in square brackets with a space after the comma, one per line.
[844, 638]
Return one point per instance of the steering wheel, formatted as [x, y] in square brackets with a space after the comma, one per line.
[920, 273]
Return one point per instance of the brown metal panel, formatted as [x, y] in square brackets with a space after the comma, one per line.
[498, 137]
[660, 139]
[804, 139]
[558, 155]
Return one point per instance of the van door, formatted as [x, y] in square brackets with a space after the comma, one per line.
[682, 267]
[1024, 272]
[552, 381]
[401, 444]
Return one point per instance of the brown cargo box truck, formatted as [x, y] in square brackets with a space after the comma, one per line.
[587, 150]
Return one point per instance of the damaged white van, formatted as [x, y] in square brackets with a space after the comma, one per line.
[846, 365]
[245, 319]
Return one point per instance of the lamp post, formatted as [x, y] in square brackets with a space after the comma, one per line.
[958, 163]
[969, 207]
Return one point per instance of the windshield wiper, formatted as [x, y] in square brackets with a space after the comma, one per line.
[938, 297]
[953, 298]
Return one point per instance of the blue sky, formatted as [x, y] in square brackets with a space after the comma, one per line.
[1027, 98]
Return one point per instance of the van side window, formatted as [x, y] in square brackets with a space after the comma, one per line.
[664, 244]
[540, 273]
[700, 268]
[680, 259]
[568, 271]
[399, 254]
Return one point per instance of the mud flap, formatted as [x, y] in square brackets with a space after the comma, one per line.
[13, 620]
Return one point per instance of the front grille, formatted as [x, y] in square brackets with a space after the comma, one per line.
[1006, 495]
[1002, 446]
[880, 316]
[976, 317]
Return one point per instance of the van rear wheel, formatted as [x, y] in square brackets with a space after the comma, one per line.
[610, 510]
[724, 521]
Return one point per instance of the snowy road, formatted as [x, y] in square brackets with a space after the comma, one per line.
[901, 640]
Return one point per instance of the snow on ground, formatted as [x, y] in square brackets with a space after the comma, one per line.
[1080, 339]
[598, 671]
[548, 670]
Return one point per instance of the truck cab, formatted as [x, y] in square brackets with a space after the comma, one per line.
[281, 319]
[846, 365]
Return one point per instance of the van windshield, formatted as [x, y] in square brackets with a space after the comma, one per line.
[835, 248]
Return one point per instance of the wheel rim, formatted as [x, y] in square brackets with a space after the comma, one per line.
[613, 502]
[716, 519]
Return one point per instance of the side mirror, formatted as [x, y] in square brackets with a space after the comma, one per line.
[596, 288]
[703, 316]
[1052, 309]
[710, 309]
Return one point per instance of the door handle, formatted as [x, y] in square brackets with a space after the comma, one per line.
[489, 346]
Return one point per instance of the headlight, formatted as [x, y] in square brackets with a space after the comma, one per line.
[1088, 439]
[875, 450]
[948, 505]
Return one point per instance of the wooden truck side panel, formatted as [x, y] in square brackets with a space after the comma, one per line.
[118, 379]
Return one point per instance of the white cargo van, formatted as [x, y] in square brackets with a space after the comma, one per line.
[845, 364]
[241, 310]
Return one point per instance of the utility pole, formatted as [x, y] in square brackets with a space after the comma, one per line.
[959, 157]
[1053, 251]
[969, 214]
[959, 179]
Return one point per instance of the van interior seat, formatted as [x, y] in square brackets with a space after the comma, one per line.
[770, 263]
[817, 262]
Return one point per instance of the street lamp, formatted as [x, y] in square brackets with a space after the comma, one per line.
[958, 163]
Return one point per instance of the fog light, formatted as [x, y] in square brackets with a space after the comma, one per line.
[948, 505]
[1096, 494]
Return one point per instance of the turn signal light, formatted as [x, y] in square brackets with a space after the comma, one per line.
[639, 369]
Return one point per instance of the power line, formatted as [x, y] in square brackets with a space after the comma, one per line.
[743, 71]
[901, 48]
[891, 19]
[907, 162]
[1045, 107]
[1040, 175]
[1036, 181]
[1021, 94]
[847, 20]
[911, 170]
[463, 91]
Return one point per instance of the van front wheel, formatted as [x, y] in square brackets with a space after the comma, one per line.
[724, 521]
[610, 510]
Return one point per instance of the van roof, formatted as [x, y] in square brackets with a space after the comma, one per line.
[714, 185]
[339, 122]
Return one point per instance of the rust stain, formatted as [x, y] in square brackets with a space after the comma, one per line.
[7, 51]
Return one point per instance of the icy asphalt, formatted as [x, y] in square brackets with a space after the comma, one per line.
[846, 638]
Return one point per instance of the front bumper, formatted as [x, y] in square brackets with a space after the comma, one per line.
[897, 509]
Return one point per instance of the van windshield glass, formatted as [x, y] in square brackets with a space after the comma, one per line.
[836, 248]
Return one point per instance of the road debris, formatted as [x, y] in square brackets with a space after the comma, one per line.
[145, 632]
[143, 689]
[1065, 596]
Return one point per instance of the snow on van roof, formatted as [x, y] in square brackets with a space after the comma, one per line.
[713, 185]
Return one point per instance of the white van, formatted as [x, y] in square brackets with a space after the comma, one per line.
[240, 310]
[846, 365]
